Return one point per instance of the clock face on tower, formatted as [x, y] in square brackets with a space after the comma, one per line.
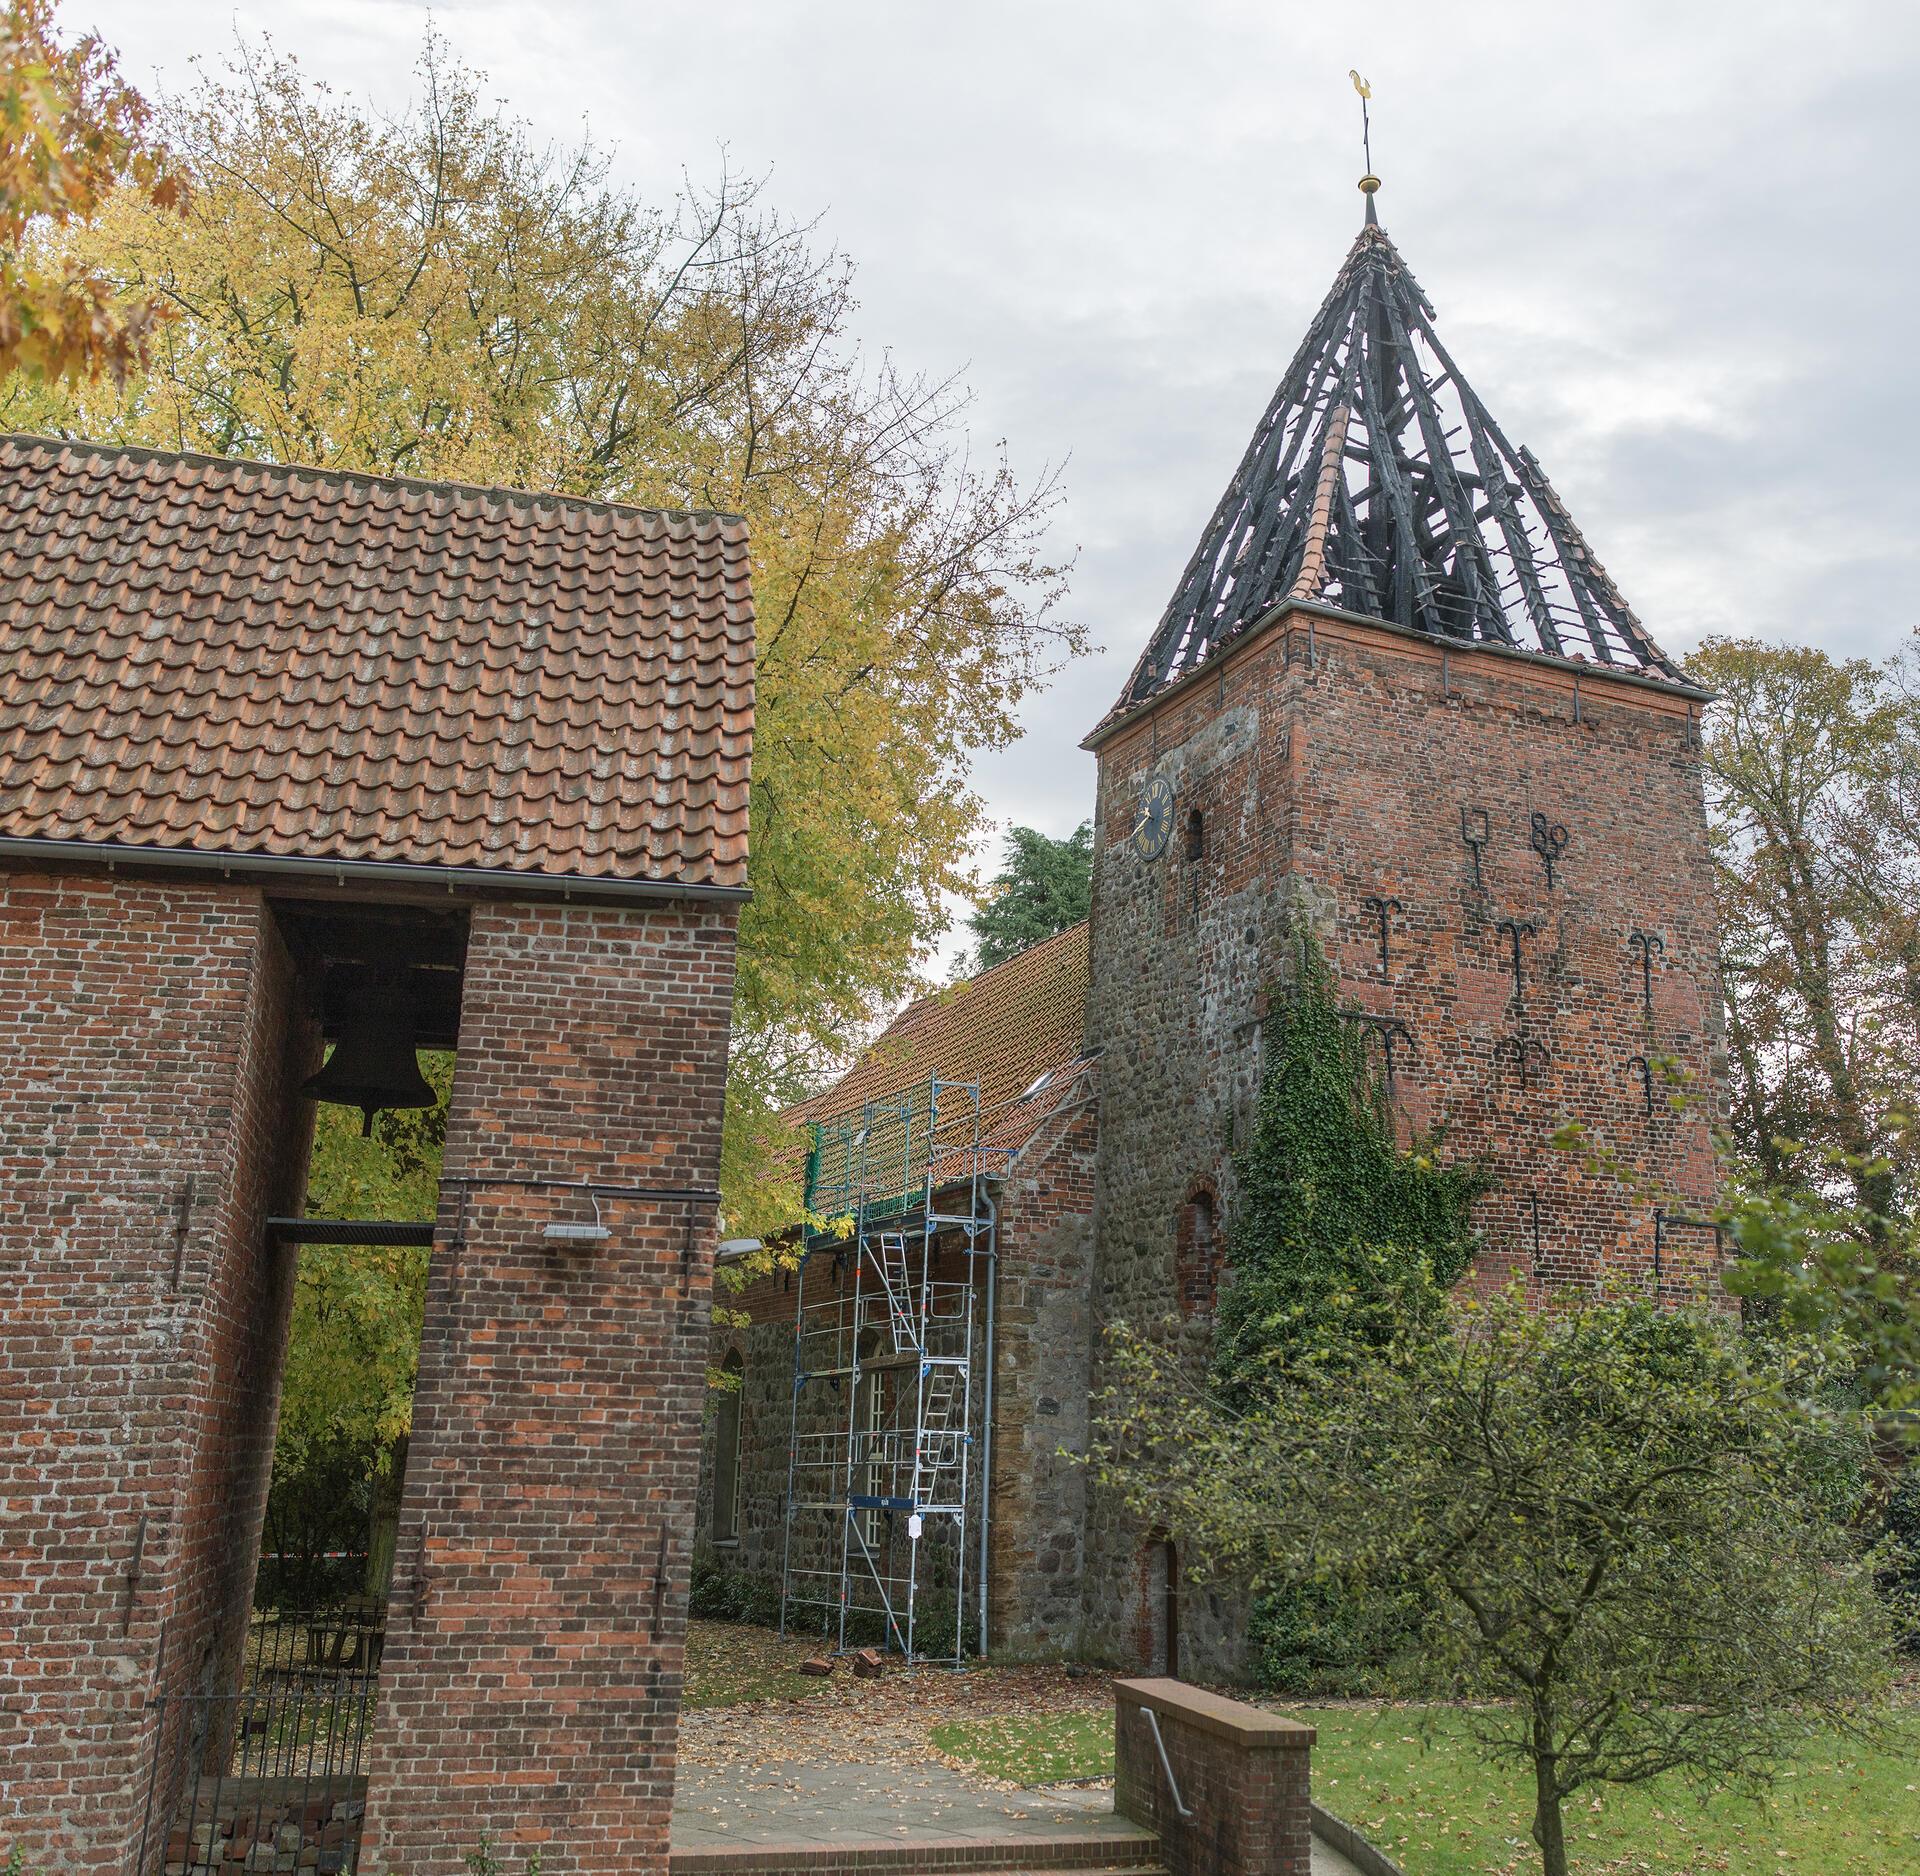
[1155, 820]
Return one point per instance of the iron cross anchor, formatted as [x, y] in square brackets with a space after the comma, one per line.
[1549, 842]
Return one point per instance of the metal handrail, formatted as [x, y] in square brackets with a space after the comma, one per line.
[1166, 1764]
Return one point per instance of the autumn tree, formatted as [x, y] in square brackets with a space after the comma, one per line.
[439, 295]
[1628, 1523]
[346, 1407]
[1042, 887]
[71, 132]
[1813, 778]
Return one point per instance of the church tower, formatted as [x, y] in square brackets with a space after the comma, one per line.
[1397, 702]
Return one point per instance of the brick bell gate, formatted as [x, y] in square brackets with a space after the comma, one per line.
[289, 758]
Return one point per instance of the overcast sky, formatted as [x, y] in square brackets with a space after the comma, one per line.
[1672, 247]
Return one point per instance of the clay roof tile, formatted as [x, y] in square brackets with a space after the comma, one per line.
[227, 656]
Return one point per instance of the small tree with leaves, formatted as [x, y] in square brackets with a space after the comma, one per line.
[1627, 1520]
[1043, 886]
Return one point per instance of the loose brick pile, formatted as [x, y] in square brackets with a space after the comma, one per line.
[269, 1830]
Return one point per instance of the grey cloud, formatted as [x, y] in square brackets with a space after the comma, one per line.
[1670, 245]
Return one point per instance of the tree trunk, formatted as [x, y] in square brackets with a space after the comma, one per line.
[1751, 1088]
[1549, 1831]
[1810, 945]
[383, 1521]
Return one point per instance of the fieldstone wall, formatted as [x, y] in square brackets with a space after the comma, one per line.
[1330, 762]
[1036, 1496]
[1042, 1366]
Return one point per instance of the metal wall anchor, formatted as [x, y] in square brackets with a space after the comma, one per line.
[1646, 1081]
[1549, 842]
[1518, 1047]
[1475, 832]
[1516, 929]
[1382, 909]
[1390, 1029]
[1646, 943]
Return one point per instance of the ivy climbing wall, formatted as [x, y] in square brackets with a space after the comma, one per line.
[1505, 863]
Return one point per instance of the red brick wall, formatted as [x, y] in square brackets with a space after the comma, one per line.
[1330, 761]
[1199, 1249]
[1243, 1777]
[150, 1041]
[532, 1675]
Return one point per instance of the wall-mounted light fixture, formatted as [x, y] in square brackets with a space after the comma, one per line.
[562, 1232]
[576, 1234]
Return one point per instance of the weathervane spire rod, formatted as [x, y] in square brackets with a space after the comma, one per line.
[1369, 183]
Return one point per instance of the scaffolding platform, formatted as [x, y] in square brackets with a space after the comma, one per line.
[888, 1439]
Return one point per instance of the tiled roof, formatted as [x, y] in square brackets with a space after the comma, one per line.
[233, 657]
[1004, 1029]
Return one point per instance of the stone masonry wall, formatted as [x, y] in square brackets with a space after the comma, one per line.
[532, 1676]
[149, 1122]
[1330, 762]
[1036, 1498]
[1038, 1501]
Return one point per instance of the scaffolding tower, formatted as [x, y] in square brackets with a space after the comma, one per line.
[888, 1432]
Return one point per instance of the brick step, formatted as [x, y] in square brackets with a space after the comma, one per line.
[1131, 1854]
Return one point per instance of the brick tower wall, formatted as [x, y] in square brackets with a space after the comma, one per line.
[150, 1120]
[531, 1682]
[1330, 761]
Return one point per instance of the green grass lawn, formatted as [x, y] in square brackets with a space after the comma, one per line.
[731, 1662]
[1046, 1750]
[1441, 1810]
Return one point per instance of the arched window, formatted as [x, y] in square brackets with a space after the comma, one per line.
[726, 1453]
[1196, 835]
[1197, 1251]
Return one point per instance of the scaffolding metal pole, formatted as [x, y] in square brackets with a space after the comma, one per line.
[986, 1404]
[896, 1473]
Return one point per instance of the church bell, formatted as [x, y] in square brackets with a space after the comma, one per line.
[374, 1064]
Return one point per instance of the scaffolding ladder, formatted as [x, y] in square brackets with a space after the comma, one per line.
[887, 1327]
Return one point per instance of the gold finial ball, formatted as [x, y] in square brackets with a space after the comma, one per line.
[1369, 184]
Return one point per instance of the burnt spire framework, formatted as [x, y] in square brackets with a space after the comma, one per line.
[1377, 483]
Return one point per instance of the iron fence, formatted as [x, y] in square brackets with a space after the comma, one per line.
[269, 1775]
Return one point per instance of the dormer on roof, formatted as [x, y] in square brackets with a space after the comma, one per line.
[1378, 484]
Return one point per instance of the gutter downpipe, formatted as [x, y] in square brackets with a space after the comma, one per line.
[986, 1445]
